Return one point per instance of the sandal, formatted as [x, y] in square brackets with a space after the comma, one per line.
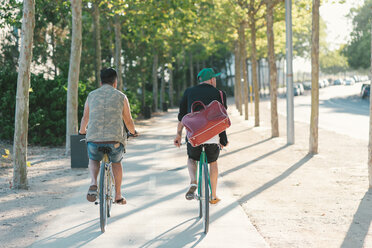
[92, 193]
[214, 201]
[121, 201]
[190, 192]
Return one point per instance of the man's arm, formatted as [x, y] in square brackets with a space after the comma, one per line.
[177, 140]
[84, 119]
[127, 117]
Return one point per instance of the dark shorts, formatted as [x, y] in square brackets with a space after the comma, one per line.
[211, 150]
[116, 154]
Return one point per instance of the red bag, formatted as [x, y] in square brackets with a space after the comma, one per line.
[205, 124]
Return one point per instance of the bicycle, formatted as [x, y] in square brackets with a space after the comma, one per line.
[106, 186]
[203, 189]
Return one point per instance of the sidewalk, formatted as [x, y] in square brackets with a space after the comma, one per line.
[295, 199]
[157, 214]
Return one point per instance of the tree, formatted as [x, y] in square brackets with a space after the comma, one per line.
[313, 146]
[73, 73]
[358, 50]
[370, 121]
[333, 61]
[243, 63]
[252, 22]
[118, 51]
[97, 38]
[272, 64]
[23, 86]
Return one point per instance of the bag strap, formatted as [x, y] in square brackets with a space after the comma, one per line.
[222, 98]
[195, 104]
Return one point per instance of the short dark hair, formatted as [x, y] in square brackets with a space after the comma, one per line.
[108, 76]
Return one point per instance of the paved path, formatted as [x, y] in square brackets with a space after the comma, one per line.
[157, 214]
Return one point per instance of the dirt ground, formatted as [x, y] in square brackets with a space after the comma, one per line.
[292, 198]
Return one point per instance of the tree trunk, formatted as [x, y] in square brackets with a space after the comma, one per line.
[118, 52]
[197, 67]
[171, 99]
[162, 88]
[23, 86]
[241, 68]
[313, 146]
[191, 70]
[273, 70]
[184, 78]
[244, 65]
[155, 81]
[254, 72]
[73, 73]
[97, 37]
[237, 90]
[370, 127]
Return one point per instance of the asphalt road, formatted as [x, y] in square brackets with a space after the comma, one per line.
[341, 109]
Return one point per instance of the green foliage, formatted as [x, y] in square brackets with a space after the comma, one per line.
[332, 62]
[358, 51]
[134, 102]
[47, 108]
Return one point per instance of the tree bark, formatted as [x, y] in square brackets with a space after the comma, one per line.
[162, 88]
[171, 98]
[184, 77]
[237, 90]
[313, 146]
[22, 103]
[97, 38]
[244, 65]
[191, 70]
[155, 81]
[252, 24]
[118, 52]
[370, 126]
[273, 69]
[73, 73]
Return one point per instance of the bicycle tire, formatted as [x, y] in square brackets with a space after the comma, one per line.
[205, 197]
[102, 198]
[110, 187]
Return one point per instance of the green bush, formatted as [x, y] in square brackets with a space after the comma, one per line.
[47, 108]
[134, 102]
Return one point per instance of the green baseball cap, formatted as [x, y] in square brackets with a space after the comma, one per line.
[206, 74]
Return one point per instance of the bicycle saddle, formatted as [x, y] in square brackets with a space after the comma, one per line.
[105, 150]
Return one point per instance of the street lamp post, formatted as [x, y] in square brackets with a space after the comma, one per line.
[289, 76]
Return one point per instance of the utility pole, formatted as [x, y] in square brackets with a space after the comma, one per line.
[290, 105]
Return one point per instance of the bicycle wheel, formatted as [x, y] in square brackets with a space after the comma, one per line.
[205, 197]
[110, 191]
[102, 197]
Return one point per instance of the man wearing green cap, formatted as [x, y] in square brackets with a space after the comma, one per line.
[206, 92]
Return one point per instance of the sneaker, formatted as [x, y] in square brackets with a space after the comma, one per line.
[214, 201]
[191, 191]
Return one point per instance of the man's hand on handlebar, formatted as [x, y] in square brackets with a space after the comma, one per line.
[135, 134]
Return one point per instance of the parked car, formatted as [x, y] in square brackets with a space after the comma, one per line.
[326, 82]
[338, 82]
[365, 90]
[349, 81]
[307, 85]
[298, 89]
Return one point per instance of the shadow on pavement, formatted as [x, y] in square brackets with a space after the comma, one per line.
[360, 225]
[181, 239]
[243, 148]
[79, 238]
[264, 187]
[252, 161]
